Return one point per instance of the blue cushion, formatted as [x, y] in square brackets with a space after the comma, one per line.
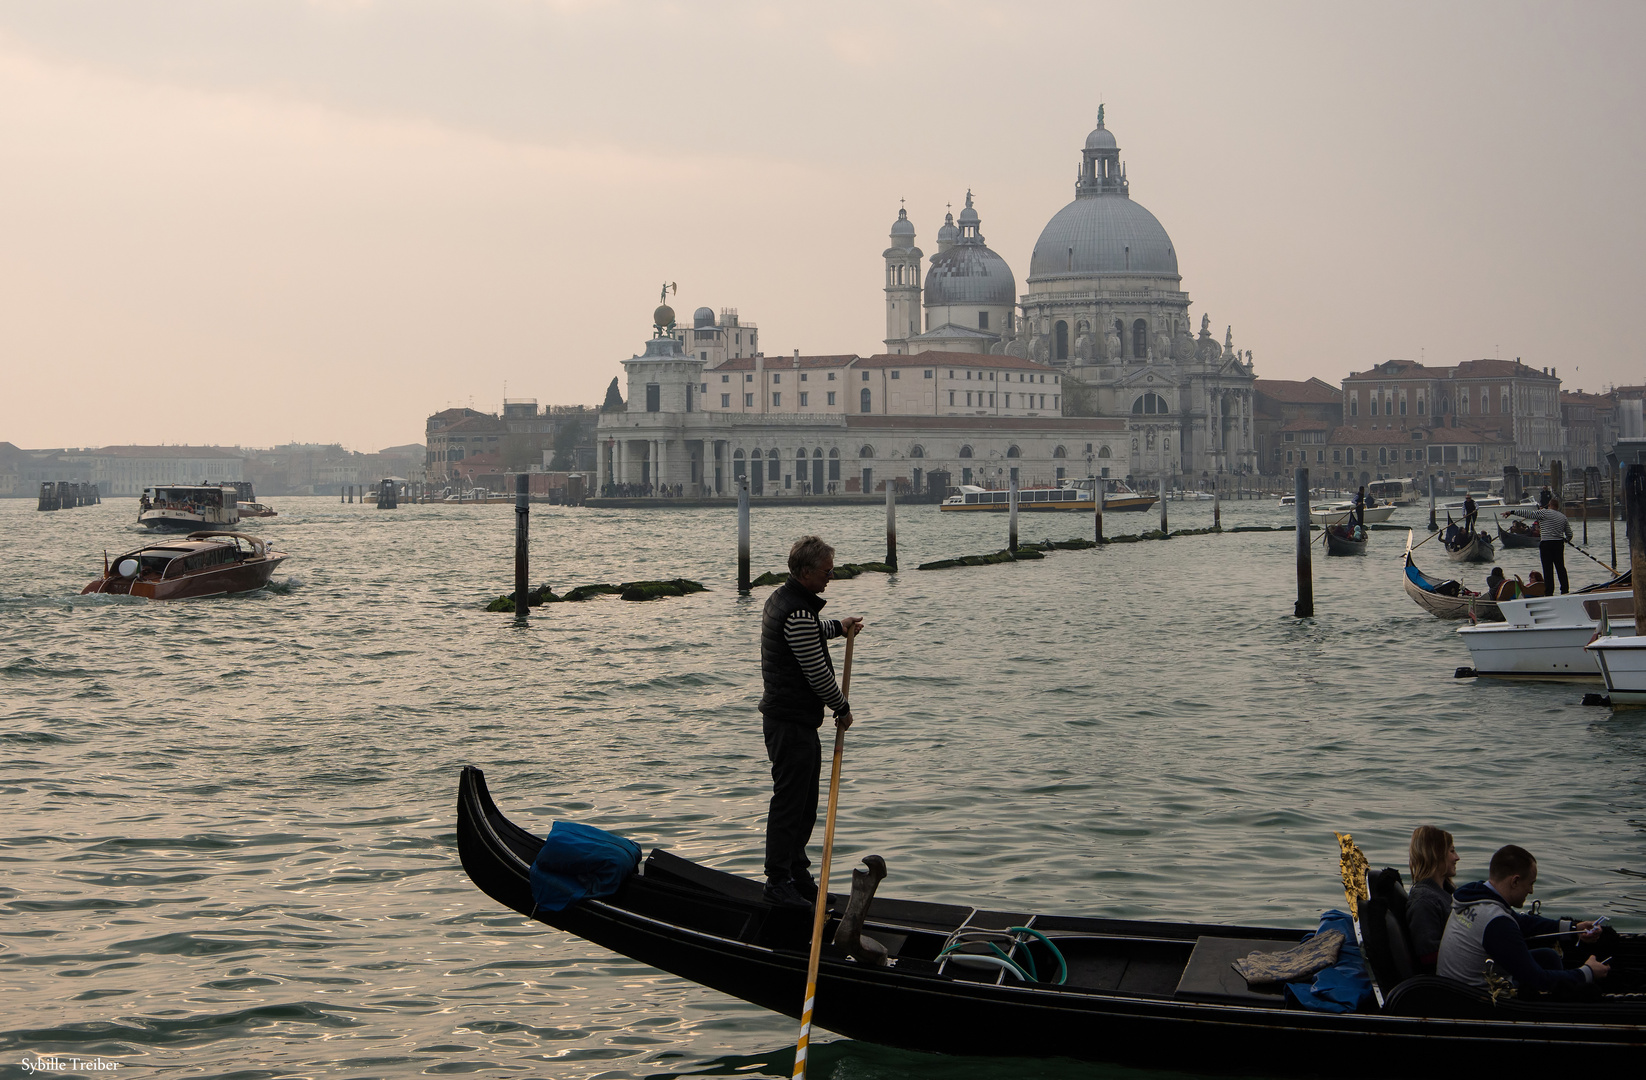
[580, 861]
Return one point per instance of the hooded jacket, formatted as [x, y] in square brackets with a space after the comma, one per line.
[1483, 927]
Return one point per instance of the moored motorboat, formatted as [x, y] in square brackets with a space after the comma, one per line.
[1098, 989]
[1445, 599]
[1118, 497]
[1622, 662]
[208, 563]
[1345, 540]
[188, 506]
[1542, 638]
[1337, 513]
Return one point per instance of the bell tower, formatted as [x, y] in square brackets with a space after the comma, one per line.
[902, 285]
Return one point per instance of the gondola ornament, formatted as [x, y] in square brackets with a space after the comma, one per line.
[1353, 866]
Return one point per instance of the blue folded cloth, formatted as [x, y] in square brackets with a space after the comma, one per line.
[1343, 987]
[580, 861]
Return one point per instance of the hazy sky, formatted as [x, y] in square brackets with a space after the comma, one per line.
[268, 220]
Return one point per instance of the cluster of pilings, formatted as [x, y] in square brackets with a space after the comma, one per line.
[63, 495]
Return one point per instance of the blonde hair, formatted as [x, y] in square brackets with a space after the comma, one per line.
[1430, 847]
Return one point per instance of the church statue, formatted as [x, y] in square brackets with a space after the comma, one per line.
[1100, 115]
[1205, 325]
[663, 297]
[1111, 345]
[1228, 339]
[1083, 346]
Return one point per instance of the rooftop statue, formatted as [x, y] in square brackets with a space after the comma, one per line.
[1100, 116]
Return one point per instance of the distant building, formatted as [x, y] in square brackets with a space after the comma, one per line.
[1278, 404]
[519, 437]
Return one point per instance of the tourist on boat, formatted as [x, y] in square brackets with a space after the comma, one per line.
[1485, 926]
[1433, 859]
[1553, 531]
[1469, 512]
[799, 681]
[1494, 585]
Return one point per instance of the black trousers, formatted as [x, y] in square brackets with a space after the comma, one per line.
[1554, 561]
[797, 765]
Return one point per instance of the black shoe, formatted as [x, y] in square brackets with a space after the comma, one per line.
[785, 895]
[806, 886]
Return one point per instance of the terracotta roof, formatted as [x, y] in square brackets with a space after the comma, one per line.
[1578, 397]
[474, 423]
[1294, 392]
[951, 359]
[785, 363]
[1307, 425]
[1498, 369]
[1400, 369]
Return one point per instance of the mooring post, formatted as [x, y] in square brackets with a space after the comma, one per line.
[743, 535]
[1217, 504]
[1586, 509]
[1305, 546]
[1634, 516]
[522, 551]
[1434, 526]
[1097, 504]
[1163, 526]
[1011, 514]
[1611, 516]
[891, 527]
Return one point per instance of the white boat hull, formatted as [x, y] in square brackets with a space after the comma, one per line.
[1340, 514]
[1542, 639]
[1622, 662]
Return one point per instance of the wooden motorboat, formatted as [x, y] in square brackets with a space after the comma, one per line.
[256, 510]
[1446, 599]
[1342, 540]
[204, 564]
[189, 506]
[1160, 994]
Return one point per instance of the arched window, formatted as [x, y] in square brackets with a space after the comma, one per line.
[918, 451]
[1402, 406]
[834, 463]
[1374, 404]
[1382, 455]
[863, 402]
[818, 452]
[740, 468]
[1354, 404]
[1103, 451]
[1149, 404]
[865, 451]
[1140, 340]
[1059, 452]
[1120, 330]
[1422, 406]
[1013, 452]
[965, 451]
[1060, 335]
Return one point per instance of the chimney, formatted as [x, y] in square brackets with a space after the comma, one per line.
[797, 357]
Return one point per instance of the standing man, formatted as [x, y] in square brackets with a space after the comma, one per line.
[799, 680]
[1553, 531]
[1360, 507]
[1469, 512]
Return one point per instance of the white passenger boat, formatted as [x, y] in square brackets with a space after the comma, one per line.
[189, 506]
[1481, 503]
[1621, 657]
[1398, 492]
[1543, 638]
[1337, 513]
[1118, 497]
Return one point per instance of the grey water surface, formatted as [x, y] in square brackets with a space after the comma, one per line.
[229, 844]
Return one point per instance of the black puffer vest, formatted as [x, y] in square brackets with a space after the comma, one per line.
[788, 695]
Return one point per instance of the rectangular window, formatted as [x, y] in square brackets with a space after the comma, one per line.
[777, 377]
[802, 376]
[831, 397]
[777, 399]
[968, 376]
[968, 399]
[865, 376]
[748, 401]
[991, 376]
[725, 401]
[654, 397]
[951, 397]
[1363, 457]
[748, 378]
[928, 373]
[991, 400]
[982, 320]
[703, 389]
[803, 398]
[1055, 399]
[1320, 457]
[1042, 401]
[831, 376]
[896, 374]
[775, 469]
[1008, 401]
[725, 378]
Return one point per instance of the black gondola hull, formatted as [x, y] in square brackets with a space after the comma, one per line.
[758, 954]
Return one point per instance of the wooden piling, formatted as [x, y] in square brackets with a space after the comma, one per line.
[891, 527]
[1305, 608]
[1634, 516]
[1611, 503]
[1586, 509]
[743, 535]
[1217, 504]
[1163, 526]
[1097, 505]
[522, 550]
[1011, 515]
[1434, 526]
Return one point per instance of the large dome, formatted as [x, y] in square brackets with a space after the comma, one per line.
[1102, 234]
[969, 274]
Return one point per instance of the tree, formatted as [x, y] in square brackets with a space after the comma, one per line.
[614, 400]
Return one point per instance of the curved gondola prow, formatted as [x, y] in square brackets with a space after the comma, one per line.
[496, 854]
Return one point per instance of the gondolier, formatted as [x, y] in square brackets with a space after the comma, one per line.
[1554, 531]
[799, 683]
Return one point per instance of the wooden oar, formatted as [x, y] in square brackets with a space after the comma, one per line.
[820, 906]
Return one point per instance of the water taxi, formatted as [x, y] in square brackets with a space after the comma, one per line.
[1398, 492]
[207, 563]
[1118, 497]
[189, 506]
[1336, 513]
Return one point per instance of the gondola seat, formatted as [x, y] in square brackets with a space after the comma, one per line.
[1388, 949]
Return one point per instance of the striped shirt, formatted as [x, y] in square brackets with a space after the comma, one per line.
[1551, 524]
[806, 633]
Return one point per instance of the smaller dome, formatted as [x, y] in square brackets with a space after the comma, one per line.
[703, 317]
[1100, 139]
[948, 234]
[663, 316]
[968, 216]
[903, 230]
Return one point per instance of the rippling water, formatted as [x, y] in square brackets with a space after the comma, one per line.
[229, 842]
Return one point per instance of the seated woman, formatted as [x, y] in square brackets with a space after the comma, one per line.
[1535, 585]
[1433, 859]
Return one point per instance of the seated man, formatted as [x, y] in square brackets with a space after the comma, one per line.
[1484, 926]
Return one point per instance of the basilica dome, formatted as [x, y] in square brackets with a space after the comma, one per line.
[968, 273]
[1103, 234]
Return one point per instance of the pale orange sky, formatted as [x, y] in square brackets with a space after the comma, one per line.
[265, 221]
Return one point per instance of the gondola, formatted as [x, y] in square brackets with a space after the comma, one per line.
[1477, 549]
[1340, 540]
[1160, 994]
[1446, 599]
[1511, 539]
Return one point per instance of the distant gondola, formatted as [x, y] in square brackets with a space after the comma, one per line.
[1340, 540]
[1160, 994]
[1477, 548]
[1511, 539]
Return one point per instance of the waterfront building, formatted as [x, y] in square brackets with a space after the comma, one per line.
[1279, 406]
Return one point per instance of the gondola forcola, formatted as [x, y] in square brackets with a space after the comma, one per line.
[957, 979]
